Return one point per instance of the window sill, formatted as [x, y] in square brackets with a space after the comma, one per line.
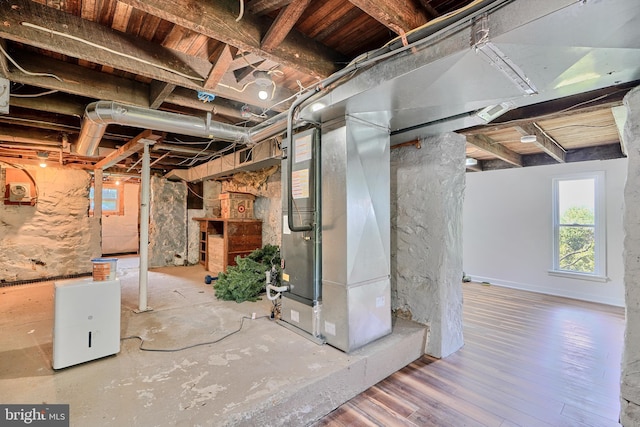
[581, 276]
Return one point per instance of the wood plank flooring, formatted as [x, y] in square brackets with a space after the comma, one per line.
[528, 360]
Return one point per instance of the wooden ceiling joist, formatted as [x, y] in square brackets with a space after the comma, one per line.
[70, 35]
[221, 59]
[283, 24]
[544, 141]
[487, 144]
[158, 93]
[261, 7]
[133, 146]
[217, 19]
[399, 16]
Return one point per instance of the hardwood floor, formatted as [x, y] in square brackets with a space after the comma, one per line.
[528, 360]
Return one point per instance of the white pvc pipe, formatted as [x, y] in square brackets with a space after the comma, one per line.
[144, 229]
[277, 289]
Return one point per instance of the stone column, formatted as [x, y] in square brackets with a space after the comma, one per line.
[168, 223]
[427, 190]
[630, 381]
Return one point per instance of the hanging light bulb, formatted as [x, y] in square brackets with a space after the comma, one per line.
[43, 156]
[264, 83]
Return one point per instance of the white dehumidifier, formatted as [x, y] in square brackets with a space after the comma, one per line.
[86, 320]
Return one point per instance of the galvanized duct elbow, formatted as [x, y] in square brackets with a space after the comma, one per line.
[98, 115]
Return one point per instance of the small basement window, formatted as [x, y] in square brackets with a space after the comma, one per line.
[112, 200]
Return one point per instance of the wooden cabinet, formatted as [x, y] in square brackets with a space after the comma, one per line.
[223, 239]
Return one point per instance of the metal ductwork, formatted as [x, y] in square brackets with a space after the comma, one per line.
[98, 115]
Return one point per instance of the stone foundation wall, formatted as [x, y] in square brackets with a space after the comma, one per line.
[55, 237]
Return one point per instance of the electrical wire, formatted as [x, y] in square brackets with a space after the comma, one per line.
[241, 14]
[4, 52]
[33, 95]
[115, 52]
[173, 350]
[194, 193]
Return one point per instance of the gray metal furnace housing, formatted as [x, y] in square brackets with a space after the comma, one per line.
[352, 306]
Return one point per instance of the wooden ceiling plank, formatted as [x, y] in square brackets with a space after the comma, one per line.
[283, 24]
[545, 142]
[158, 93]
[79, 80]
[221, 61]
[133, 146]
[121, 17]
[487, 144]
[218, 21]
[261, 7]
[117, 50]
[399, 16]
[338, 23]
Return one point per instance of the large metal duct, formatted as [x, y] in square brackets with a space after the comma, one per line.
[98, 115]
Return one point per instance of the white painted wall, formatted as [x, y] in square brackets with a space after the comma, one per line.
[507, 230]
[120, 232]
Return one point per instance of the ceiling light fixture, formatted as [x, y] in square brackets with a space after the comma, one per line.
[263, 81]
[528, 139]
[43, 156]
[470, 161]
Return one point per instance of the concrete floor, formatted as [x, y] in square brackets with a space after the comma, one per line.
[263, 375]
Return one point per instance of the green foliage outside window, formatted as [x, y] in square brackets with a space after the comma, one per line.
[577, 240]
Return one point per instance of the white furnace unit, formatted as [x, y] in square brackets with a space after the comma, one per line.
[86, 320]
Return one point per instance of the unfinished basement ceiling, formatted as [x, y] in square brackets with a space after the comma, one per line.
[208, 60]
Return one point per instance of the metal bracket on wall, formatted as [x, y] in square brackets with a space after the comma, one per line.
[4, 95]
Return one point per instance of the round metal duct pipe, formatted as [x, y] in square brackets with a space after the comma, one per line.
[98, 115]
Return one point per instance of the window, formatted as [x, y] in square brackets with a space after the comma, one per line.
[112, 203]
[579, 226]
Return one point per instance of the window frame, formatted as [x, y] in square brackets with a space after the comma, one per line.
[599, 226]
[119, 211]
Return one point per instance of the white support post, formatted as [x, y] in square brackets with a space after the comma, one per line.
[144, 230]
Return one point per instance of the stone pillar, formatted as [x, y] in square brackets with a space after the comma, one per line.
[630, 381]
[427, 190]
[168, 223]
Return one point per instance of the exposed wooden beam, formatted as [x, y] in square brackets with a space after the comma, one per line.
[133, 146]
[54, 103]
[221, 59]
[261, 7]
[22, 135]
[217, 19]
[158, 92]
[78, 80]
[545, 142]
[399, 16]
[31, 23]
[487, 144]
[283, 24]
